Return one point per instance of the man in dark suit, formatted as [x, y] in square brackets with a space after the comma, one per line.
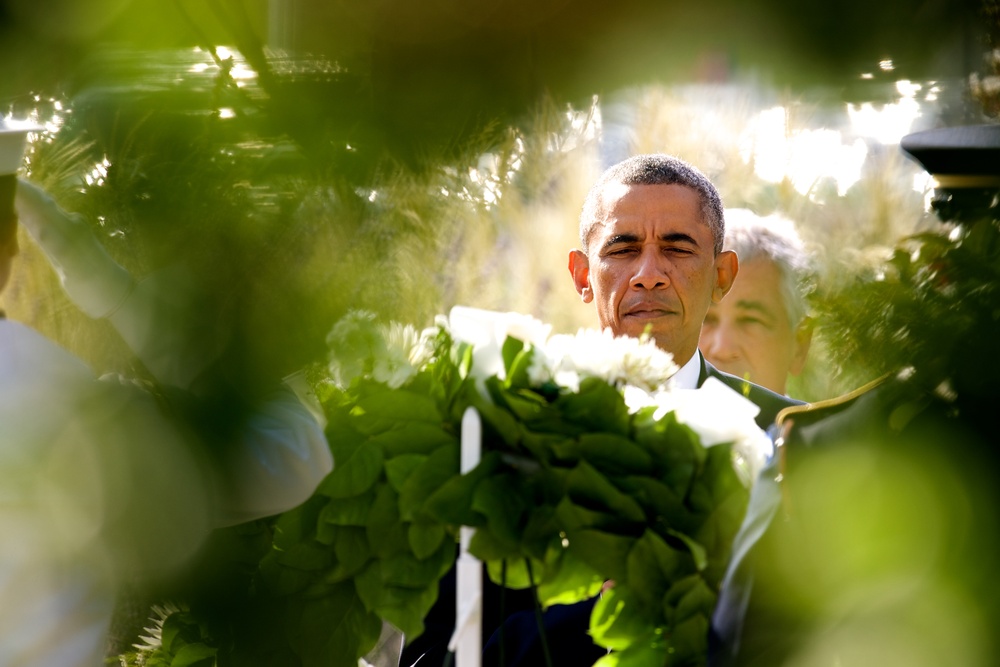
[652, 262]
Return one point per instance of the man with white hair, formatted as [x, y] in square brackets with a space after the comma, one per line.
[761, 331]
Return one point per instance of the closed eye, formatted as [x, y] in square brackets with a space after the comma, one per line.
[617, 252]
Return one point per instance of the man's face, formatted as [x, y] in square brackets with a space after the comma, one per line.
[749, 334]
[651, 265]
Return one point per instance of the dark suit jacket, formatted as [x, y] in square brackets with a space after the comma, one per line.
[565, 625]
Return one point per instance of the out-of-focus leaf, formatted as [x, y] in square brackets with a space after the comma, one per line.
[428, 477]
[568, 579]
[651, 567]
[451, 503]
[414, 438]
[333, 629]
[355, 475]
[385, 410]
[194, 655]
[502, 501]
[596, 408]
[351, 549]
[348, 511]
[614, 454]
[386, 533]
[617, 621]
[588, 487]
[425, 538]
[399, 468]
[604, 552]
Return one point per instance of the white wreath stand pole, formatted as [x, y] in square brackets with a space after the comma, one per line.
[466, 642]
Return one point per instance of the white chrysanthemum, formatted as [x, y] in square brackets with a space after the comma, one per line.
[391, 354]
[399, 359]
[487, 330]
[620, 361]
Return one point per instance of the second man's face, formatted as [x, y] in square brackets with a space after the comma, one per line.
[651, 266]
[749, 333]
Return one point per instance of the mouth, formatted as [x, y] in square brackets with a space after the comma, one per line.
[647, 312]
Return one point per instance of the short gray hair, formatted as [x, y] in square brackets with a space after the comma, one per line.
[655, 169]
[775, 239]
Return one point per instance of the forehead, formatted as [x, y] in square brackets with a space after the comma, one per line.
[655, 210]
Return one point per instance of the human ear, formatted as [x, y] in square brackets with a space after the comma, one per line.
[579, 269]
[727, 265]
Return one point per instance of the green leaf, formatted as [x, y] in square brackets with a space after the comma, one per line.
[282, 580]
[352, 551]
[567, 579]
[698, 599]
[511, 348]
[614, 454]
[399, 468]
[589, 488]
[334, 630]
[427, 478]
[542, 531]
[370, 586]
[305, 556]
[406, 608]
[676, 450]
[411, 437]
[718, 531]
[385, 410]
[298, 524]
[487, 548]
[425, 538]
[688, 641]
[407, 571]
[642, 653]
[354, 475]
[386, 533]
[573, 518]
[503, 501]
[660, 502]
[617, 621]
[597, 407]
[697, 551]
[194, 655]
[517, 368]
[348, 511]
[651, 566]
[517, 576]
[605, 553]
[499, 426]
[451, 503]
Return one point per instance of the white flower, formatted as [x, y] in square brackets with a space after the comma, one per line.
[719, 414]
[391, 354]
[404, 352]
[487, 330]
[620, 361]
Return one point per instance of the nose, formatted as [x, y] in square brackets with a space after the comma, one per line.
[650, 271]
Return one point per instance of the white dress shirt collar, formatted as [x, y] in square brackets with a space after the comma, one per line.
[689, 374]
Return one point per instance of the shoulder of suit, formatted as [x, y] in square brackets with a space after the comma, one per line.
[817, 410]
[754, 392]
